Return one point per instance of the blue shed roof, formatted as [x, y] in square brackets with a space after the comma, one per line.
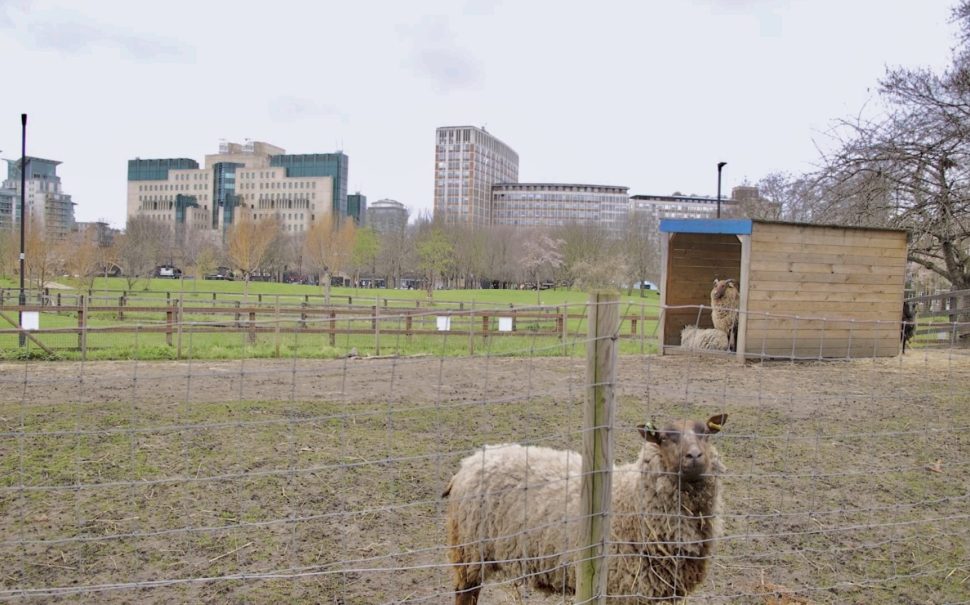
[729, 226]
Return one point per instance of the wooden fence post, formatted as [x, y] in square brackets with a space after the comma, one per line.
[377, 326]
[179, 320]
[252, 327]
[237, 313]
[276, 328]
[471, 329]
[169, 320]
[596, 482]
[81, 327]
[643, 326]
[121, 307]
[333, 328]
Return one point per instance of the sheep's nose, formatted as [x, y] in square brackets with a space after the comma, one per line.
[694, 454]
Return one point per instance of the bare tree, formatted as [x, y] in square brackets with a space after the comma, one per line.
[41, 254]
[141, 248]
[8, 253]
[469, 253]
[80, 252]
[397, 254]
[502, 253]
[640, 245]
[911, 168]
[541, 259]
[586, 245]
[327, 248]
[247, 243]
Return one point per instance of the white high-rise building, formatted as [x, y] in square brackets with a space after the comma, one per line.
[468, 160]
[46, 204]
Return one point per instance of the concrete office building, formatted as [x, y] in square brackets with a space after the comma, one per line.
[255, 177]
[554, 204]
[387, 216]
[46, 204]
[682, 206]
[8, 198]
[468, 161]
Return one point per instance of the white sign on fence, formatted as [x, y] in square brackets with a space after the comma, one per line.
[444, 323]
[30, 320]
[504, 324]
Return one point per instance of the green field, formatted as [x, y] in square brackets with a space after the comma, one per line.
[210, 330]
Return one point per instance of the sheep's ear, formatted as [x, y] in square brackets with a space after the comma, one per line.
[714, 423]
[649, 432]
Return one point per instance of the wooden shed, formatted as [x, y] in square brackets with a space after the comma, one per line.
[807, 291]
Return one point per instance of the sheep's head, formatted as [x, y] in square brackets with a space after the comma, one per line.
[684, 446]
[721, 286]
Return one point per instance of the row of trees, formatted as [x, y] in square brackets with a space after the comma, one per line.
[425, 252]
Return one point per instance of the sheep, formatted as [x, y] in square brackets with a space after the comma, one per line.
[907, 327]
[724, 308]
[696, 339]
[514, 509]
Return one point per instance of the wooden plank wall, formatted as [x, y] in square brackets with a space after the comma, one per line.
[694, 260]
[850, 277]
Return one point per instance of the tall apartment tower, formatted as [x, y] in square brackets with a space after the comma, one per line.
[47, 205]
[468, 160]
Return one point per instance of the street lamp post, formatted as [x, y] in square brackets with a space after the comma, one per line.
[720, 165]
[23, 220]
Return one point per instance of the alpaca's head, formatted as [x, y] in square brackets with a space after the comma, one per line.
[684, 447]
[722, 286]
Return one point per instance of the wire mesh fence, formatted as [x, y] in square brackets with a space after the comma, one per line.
[320, 480]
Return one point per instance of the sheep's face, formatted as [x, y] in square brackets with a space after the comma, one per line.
[684, 447]
[721, 286]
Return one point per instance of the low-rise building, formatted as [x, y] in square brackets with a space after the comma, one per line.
[555, 204]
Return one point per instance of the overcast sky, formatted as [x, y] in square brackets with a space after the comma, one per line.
[646, 94]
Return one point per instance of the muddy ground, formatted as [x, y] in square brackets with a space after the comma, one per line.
[319, 481]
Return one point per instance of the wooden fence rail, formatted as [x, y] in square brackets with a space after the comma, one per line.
[179, 319]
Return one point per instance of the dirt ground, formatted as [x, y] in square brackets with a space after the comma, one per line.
[319, 481]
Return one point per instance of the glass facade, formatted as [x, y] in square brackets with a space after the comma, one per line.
[181, 203]
[334, 165]
[157, 170]
[225, 193]
[357, 208]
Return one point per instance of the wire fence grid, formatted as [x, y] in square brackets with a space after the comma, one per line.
[295, 479]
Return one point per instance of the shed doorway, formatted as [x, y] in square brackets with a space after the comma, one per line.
[693, 262]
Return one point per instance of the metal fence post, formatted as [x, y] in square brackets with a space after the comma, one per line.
[596, 486]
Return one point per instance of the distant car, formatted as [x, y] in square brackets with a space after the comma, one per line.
[168, 271]
[223, 273]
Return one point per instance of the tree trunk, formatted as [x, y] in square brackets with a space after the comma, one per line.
[326, 288]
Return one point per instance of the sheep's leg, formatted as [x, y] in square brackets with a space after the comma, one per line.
[468, 572]
[467, 596]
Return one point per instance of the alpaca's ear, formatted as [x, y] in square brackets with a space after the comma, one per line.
[649, 432]
[714, 423]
